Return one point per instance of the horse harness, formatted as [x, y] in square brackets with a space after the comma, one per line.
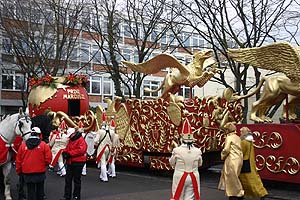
[20, 124]
[106, 132]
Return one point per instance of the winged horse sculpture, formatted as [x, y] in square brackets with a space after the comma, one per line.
[188, 75]
[281, 57]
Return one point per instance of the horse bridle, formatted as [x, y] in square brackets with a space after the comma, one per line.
[20, 124]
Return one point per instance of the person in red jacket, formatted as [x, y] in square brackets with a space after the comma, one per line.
[75, 156]
[32, 159]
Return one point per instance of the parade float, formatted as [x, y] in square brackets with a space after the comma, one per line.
[150, 129]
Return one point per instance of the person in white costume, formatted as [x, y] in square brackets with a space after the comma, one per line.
[113, 151]
[58, 140]
[103, 143]
[186, 159]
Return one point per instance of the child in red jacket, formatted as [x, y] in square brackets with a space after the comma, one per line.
[33, 157]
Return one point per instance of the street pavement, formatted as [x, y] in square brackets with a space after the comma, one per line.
[141, 184]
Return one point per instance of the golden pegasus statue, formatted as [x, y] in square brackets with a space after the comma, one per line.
[281, 57]
[188, 75]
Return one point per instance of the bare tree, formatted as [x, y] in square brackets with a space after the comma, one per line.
[40, 35]
[136, 25]
[291, 24]
[234, 24]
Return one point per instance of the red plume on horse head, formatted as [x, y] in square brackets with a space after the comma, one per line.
[63, 125]
[112, 124]
[103, 117]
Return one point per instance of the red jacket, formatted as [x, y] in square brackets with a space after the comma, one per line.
[33, 160]
[77, 150]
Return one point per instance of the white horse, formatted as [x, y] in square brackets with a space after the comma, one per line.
[16, 124]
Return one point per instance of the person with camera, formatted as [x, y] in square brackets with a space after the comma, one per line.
[75, 156]
[33, 157]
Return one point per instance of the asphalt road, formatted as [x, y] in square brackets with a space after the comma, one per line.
[140, 184]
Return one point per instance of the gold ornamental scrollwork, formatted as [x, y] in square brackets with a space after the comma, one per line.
[157, 163]
[128, 155]
[279, 164]
[274, 140]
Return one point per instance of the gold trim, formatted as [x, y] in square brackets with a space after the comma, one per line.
[278, 165]
[274, 140]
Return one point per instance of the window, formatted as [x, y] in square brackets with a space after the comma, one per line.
[74, 53]
[8, 9]
[48, 17]
[152, 85]
[107, 86]
[21, 13]
[125, 88]
[164, 39]
[49, 49]
[6, 45]
[95, 85]
[126, 30]
[104, 26]
[136, 57]
[7, 82]
[154, 35]
[86, 20]
[73, 20]
[185, 91]
[186, 39]
[172, 39]
[96, 22]
[96, 54]
[20, 82]
[13, 81]
[127, 54]
[85, 52]
[197, 42]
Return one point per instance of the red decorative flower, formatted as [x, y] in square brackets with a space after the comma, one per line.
[74, 79]
[47, 80]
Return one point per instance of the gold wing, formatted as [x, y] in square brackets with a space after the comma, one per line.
[157, 63]
[99, 111]
[122, 122]
[280, 57]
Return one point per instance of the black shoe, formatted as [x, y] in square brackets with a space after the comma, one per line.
[76, 198]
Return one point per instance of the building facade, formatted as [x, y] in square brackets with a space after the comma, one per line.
[85, 55]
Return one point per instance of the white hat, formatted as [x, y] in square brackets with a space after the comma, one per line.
[70, 131]
[36, 130]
